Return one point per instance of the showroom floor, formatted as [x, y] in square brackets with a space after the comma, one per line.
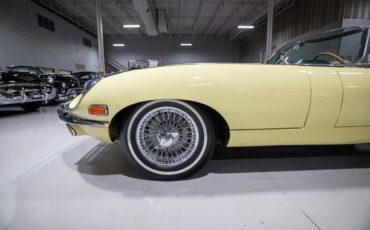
[51, 180]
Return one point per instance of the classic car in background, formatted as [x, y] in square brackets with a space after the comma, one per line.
[141, 64]
[85, 76]
[67, 86]
[167, 119]
[25, 86]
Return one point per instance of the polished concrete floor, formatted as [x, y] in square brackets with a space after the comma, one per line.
[50, 180]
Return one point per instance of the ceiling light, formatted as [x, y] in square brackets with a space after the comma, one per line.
[119, 45]
[186, 44]
[131, 26]
[245, 27]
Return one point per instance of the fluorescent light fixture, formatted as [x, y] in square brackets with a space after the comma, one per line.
[119, 45]
[186, 44]
[245, 27]
[131, 26]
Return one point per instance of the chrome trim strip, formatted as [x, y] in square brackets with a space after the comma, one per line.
[65, 115]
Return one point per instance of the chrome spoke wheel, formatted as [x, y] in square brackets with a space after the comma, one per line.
[167, 139]
[167, 136]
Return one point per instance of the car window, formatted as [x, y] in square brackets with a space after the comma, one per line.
[344, 46]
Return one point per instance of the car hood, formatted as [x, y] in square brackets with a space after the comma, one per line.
[182, 70]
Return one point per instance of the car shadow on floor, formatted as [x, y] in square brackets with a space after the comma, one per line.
[107, 159]
[14, 110]
[231, 171]
[10, 111]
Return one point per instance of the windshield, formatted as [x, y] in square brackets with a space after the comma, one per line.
[337, 47]
[25, 69]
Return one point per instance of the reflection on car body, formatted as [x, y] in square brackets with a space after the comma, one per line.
[167, 119]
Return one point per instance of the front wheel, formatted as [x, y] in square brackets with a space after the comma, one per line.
[168, 139]
[31, 106]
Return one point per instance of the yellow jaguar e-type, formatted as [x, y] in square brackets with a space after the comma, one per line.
[167, 119]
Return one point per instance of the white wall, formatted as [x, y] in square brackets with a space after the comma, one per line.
[23, 42]
[168, 51]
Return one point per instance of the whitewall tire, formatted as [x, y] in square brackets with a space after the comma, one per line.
[168, 139]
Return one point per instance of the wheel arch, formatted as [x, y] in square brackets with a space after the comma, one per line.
[221, 127]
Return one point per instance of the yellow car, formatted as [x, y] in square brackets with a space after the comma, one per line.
[167, 119]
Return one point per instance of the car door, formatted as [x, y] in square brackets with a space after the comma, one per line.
[355, 109]
[266, 97]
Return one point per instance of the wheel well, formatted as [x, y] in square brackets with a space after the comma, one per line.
[220, 124]
[116, 124]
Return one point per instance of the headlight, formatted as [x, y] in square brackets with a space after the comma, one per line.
[50, 79]
[64, 85]
[89, 84]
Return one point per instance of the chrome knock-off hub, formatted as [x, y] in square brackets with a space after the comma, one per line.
[167, 136]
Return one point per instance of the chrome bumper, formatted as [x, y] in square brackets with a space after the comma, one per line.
[65, 115]
[23, 98]
[69, 95]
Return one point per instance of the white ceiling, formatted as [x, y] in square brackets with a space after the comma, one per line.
[183, 17]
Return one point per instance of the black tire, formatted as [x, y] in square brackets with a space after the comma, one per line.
[200, 130]
[32, 106]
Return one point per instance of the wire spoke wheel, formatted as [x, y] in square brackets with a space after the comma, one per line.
[167, 139]
[167, 136]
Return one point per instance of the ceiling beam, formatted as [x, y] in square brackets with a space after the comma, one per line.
[241, 33]
[168, 18]
[212, 20]
[73, 14]
[289, 3]
[113, 22]
[143, 9]
[180, 19]
[109, 27]
[126, 12]
[250, 21]
[235, 13]
[195, 23]
[77, 21]
[155, 11]
[72, 8]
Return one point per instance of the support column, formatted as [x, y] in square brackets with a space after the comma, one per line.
[270, 19]
[99, 25]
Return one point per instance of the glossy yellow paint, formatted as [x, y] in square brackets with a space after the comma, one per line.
[100, 133]
[355, 109]
[262, 104]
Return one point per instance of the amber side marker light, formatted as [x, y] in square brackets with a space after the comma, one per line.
[100, 110]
